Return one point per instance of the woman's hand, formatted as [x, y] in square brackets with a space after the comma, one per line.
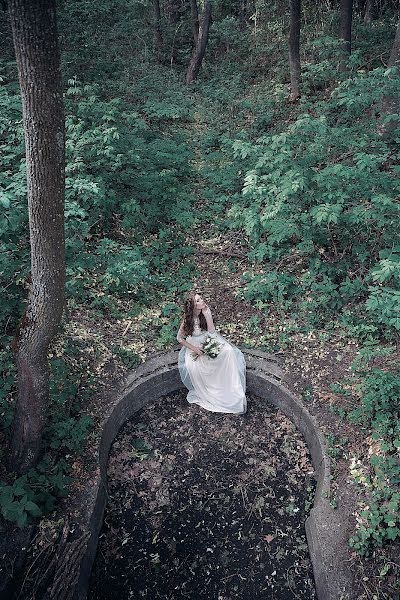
[206, 310]
[198, 350]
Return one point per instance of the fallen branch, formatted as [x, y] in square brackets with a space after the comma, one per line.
[126, 328]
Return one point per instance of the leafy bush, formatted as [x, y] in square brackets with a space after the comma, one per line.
[173, 107]
[378, 477]
[380, 409]
[14, 237]
[129, 358]
[118, 164]
[279, 288]
[7, 374]
[379, 519]
[384, 302]
[36, 492]
[308, 203]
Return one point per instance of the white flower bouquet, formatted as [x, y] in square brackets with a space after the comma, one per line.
[210, 347]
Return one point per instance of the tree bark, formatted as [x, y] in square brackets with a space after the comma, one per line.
[200, 48]
[172, 11]
[294, 48]
[346, 17]
[391, 103]
[370, 11]
[158, 38]
[394, 60]
[195, 20]
[243, 15]
[35, 39]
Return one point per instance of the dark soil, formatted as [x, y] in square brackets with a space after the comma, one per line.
[206, 506]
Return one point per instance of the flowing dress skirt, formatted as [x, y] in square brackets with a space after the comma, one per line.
[217, 384]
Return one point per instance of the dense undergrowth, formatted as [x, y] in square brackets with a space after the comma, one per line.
[312, 188]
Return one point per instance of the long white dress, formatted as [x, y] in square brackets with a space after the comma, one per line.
[217, 384]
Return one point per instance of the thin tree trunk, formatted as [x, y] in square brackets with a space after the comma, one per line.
[294, 48]
[172, 11]
[195, 20]
[243, 15]
[346, 17]
[35, 39]
[370, 11]
[394, 60]
[391, 103]
[158, 38]
[200, 48]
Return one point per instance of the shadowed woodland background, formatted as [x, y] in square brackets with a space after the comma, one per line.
[251, 147]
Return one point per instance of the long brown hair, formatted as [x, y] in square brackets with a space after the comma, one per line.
[188, 315]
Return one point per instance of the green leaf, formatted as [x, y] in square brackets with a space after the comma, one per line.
[33, 509]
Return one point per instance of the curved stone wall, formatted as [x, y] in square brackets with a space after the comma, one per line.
[159, 376]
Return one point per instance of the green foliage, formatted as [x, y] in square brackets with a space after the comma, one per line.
[378, 477]
[68, 433]
[384, 302]
[384, 306]
[279, 288]
[380, 408]
[7, 374]
[228, 40]
[129, 358]
[14, 249]
[167, 333]
[371, 350]
[118, 164]
[66, 428]
[121, 176]
[356, 326]
[379, 521]
[141, 449]
[176, 106]
[115, 268]
[319, 73]
[128, 177]
[36, 492]
[308, 202]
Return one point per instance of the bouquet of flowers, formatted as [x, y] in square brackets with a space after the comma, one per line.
[210, 347]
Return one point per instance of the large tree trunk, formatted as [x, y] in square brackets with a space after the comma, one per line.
[195, 20]
[346, 17]
[158, 39]
[200, 48]
[370, 11]
[294, 48]
[391, 103]
[34, 30]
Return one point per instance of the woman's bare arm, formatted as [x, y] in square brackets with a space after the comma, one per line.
[181, 340]
[208, 316]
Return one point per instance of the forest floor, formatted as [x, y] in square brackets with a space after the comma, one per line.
[312, 362]
[206, 506]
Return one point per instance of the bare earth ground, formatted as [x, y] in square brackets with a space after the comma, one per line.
[206, 506]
